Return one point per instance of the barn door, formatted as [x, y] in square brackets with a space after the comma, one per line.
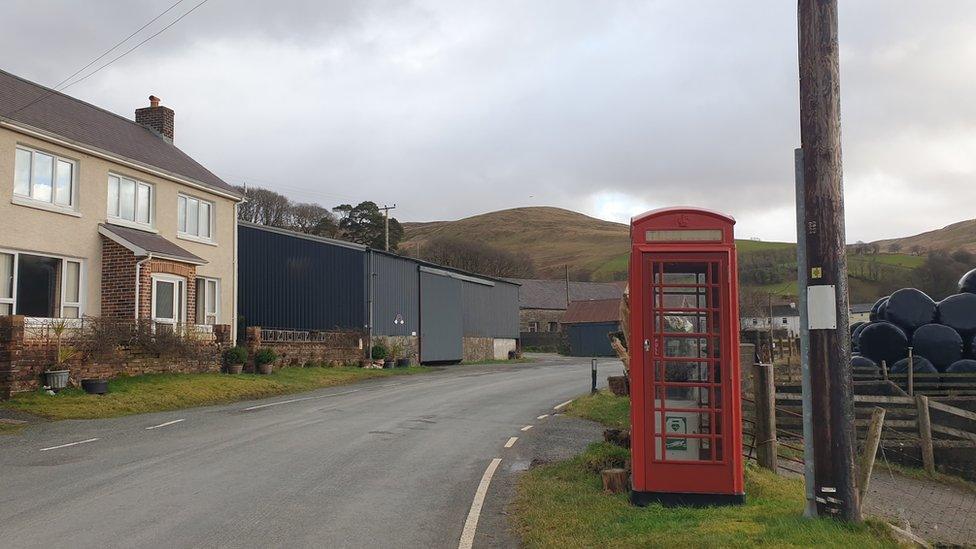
[441, 320]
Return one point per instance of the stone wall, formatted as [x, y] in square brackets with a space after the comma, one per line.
[542, 316]
[296, 348]
[409, 343]
[476, 349]
[23, 359]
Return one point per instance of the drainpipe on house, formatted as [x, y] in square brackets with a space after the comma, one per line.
[138, 273]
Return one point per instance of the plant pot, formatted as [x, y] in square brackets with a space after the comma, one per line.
[619, 385]
[95, 386]
[389, 363]
[403, 362]
[265, 369]
[234, 369]
[56, 379]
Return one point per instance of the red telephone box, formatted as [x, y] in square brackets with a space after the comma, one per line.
[686, 442]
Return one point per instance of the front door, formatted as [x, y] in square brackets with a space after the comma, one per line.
[686, 352]
[169, 300]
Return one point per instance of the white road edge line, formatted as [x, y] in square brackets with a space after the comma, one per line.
[70, 444]
[471, 523]
[259, 406]
[168, 423]
[563, 405]
[511, 442]
[543, 416]
[526, 428]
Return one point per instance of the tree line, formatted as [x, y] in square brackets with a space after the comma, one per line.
[362, 223]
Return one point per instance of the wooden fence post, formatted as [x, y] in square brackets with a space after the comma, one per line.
[764, 393]
[870, 450]
[925, 432]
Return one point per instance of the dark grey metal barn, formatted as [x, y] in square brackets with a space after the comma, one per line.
[294, 281]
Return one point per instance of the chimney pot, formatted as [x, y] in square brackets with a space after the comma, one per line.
[153, 101]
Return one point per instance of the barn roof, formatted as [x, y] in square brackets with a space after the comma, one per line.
[594, 310]
[551, 294]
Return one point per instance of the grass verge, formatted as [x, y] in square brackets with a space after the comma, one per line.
[159, 392]
[564, 505]
[11, 428]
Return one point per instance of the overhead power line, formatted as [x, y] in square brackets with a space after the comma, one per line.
[60, 86]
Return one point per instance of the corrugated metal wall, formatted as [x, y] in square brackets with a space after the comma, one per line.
[591, 338]
[490, 311]
[441, 319]
[395, 292]
[292, 281]
[286, 281]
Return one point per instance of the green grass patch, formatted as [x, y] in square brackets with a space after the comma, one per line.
[564, 505]
[602, 407]
[159, 392]
[11, 428]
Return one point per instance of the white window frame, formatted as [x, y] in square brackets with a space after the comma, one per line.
[202, 303]
[52, 204]
[116, 218]
[182, 201]
[82, 279]
[181, 283]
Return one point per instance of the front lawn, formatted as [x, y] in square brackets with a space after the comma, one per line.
[159, 392]
[564, 505]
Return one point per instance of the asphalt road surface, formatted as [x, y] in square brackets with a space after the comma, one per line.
[386, 463]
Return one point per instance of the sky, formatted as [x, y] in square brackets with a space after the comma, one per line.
[610, 108]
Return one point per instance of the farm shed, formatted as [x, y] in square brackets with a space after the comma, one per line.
[293, 281]
[588, 324]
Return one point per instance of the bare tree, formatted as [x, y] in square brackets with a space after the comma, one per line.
[306, 216]
[478, 257]
[894, 247]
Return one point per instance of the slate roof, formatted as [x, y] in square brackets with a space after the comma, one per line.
[86, 124]
[551, 294]
[143, 243]
[862, 307]
[596, 310]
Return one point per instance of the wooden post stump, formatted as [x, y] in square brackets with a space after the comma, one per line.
[871, 443]
[615, 481]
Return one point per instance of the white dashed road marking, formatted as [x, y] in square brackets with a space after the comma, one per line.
[168, 423]
[471, 524]
[511, 442]
[69, 444]
[563, 405]
[526, 428]
[259, 406]
[543, 416]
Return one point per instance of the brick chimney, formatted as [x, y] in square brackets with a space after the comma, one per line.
[157, 118]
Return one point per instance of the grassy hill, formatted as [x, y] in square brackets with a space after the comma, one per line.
[599, 249]
[957, 236]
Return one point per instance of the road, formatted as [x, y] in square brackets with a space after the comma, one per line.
[384, 463]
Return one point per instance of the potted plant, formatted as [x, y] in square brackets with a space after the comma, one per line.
[378, 354]
[397, 352]
[234, 359]
[56, 375]
[264, 360]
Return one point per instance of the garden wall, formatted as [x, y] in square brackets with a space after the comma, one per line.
[296, 348]
[25, 353]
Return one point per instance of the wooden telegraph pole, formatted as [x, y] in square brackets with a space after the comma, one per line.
[826, 291]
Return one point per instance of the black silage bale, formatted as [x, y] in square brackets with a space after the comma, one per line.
[883, 341]
[864, 365]
[857, 333]
[964, 366]
[921, 365]
[910, 308]
[959, 312]
[967, 284]
[940, 344]
[877, 310]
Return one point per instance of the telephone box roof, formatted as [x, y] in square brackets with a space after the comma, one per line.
[682, 209]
